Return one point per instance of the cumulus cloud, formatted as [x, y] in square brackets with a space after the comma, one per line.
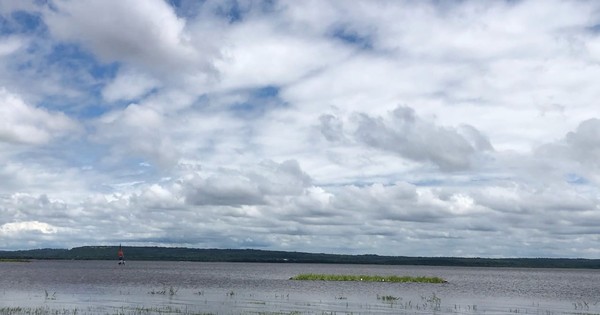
[262, 54]
[10, 229]
[404, 133]
[248, 187]
[128, 85]
[136, 130]
[276, 125]
[9, 45]
[9, 7]
[583, 144]
[148, 33]
[26, 124]
[576, 155]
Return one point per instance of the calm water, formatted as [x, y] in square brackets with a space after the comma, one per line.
[103, 287]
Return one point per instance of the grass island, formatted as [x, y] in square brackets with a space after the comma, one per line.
[366, 278]
[13, 260]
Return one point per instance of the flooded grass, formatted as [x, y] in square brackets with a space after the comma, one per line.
[387, 297]
[44, 310]
[394, 304]
[366, 278]
[171, 291]
[384, 304]
[13, 260]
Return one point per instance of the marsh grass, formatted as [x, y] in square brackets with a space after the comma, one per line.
[366, 278]
[13, 260]
[170, 291]
[387, 298]
[44, 310]
[49, 296]
[431, 303]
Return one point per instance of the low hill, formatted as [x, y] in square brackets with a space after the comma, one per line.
[253, 255]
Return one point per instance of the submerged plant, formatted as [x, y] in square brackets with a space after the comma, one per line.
[434, 302]
[387, 298]
[50, 296]
[171, 291]
[160, 292]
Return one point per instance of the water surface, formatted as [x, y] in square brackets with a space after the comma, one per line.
[104, 287]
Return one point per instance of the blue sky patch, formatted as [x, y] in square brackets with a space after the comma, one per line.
[71, 56]
[352, 37]
[21, 22]
[187, 8]
[235, 12]
[231, 10]
[259, 102]
[25, 22]
[80, 70]
[576, 179]
[595, 29]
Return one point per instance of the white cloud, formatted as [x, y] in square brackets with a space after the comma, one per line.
[26, 124]
[148, 37]
[404, 133]
[137, 131]
[128, 85]
[15, 228]
[11, 6]
[313, 125]
[9, 45]
[577, 154]
[260, 53]
[148, 33]
[250, 187]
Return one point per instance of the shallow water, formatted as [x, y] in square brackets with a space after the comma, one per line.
[101, 287]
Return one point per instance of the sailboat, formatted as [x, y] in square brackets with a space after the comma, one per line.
[121, 256]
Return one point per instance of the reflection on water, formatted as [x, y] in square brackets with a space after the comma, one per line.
[101, 287]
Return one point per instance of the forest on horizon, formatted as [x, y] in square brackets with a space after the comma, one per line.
[133, 253]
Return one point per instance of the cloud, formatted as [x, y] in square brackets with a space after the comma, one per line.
[9, 45]
[128, 85]
[276, 125]
[15, 228]
[136, 130]
[261, 53]
[250, 187]
[9, 7]
[26, 124]
[576, 155]
[583, 144]
[405, 134]
[148, 33]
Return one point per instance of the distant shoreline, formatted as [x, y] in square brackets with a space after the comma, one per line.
[267, 256]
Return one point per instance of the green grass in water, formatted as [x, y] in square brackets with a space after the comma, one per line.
[367, 278]
[13, 260]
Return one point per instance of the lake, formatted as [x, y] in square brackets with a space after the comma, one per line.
[143, 287]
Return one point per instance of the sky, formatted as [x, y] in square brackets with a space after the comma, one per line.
[414, 128]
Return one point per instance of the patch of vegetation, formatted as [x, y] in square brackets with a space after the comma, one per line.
[49, 296]
[171, 291]
[387, 298]
[13, 260]
[366, 278]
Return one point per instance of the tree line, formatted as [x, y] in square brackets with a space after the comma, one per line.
[268, 256]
